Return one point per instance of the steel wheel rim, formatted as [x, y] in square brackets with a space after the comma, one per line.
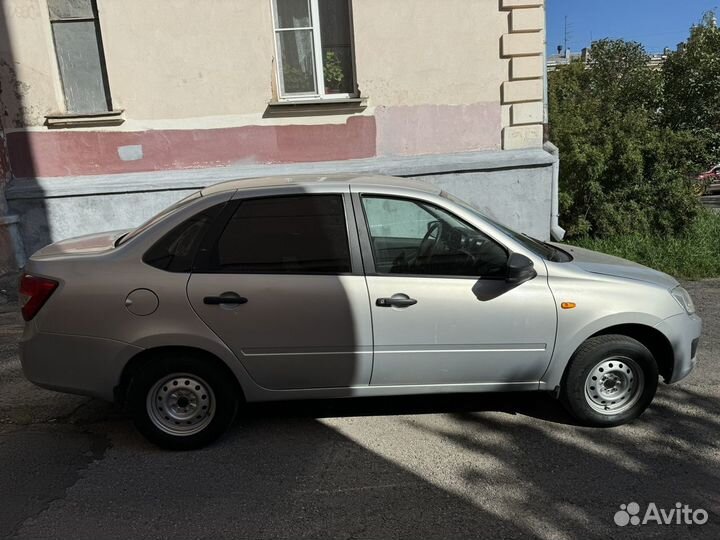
[181, 404]
[614, 385]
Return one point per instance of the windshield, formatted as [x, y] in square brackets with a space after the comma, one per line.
[158, 217]
[539, 248]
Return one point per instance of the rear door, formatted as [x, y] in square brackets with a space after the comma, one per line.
[282, 285]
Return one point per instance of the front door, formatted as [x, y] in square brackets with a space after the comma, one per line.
[442, 312]
[281, 289]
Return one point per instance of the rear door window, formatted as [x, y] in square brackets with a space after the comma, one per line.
[303, 234]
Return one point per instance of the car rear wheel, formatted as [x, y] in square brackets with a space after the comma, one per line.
[610, 381]
[181, 402]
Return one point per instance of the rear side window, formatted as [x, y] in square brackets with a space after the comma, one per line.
[176, 250]
[305, 234]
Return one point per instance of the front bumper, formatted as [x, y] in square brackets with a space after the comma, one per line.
[683, 331]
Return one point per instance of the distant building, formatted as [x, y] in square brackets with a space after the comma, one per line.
[562, 59]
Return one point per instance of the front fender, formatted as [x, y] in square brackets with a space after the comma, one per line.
[570, 337]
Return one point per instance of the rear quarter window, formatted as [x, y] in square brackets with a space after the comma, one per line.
[175, 252]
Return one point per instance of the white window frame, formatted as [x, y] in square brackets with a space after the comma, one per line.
[317, 57]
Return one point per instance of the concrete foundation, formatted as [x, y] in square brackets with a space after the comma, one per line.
[514, 187]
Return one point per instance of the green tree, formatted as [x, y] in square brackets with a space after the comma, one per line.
[622, 170]
[691, 88]
[691, 79]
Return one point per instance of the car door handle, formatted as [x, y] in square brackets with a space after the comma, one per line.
[396, 300]
[225, 298]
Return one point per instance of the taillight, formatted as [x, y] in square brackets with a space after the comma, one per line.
[34, 292]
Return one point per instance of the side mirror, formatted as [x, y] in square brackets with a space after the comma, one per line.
[519, 269]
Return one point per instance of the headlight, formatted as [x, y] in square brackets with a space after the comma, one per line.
[683, 298]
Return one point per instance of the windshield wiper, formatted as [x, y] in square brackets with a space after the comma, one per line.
[559, 255]
[537, 242]
[550, 251]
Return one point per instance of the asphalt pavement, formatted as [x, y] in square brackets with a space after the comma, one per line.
[484, 466]
[712, 198]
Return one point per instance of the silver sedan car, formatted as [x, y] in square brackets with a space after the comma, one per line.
[328, 287]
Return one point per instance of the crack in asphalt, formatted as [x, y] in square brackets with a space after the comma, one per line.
[64, 419]
[94, 445]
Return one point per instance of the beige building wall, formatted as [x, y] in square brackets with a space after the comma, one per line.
[28, 69]
[419, 52]
[216, 57]
[433, 71]
[439, 76]
[197, 58]
[188, 58]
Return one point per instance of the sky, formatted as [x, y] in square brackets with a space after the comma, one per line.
[654, 23]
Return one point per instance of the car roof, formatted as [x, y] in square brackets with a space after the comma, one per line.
[341, 181]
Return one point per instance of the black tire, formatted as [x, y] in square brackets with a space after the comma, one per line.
[223, 399]
[583, 404]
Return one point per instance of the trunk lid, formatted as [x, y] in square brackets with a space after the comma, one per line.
[81, 245]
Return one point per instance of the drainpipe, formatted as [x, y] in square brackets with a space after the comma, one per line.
[557, 233]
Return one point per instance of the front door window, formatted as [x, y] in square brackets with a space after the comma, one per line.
[417, 238]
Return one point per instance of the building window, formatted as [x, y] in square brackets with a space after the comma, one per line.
[78, 47]
[314, 48]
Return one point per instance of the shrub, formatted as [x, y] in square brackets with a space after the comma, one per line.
[622, 171]
[692, 254]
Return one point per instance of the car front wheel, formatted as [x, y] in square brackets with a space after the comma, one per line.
[181, 402]
[610, 381]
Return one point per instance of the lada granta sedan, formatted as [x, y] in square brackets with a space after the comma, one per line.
[328, 287]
